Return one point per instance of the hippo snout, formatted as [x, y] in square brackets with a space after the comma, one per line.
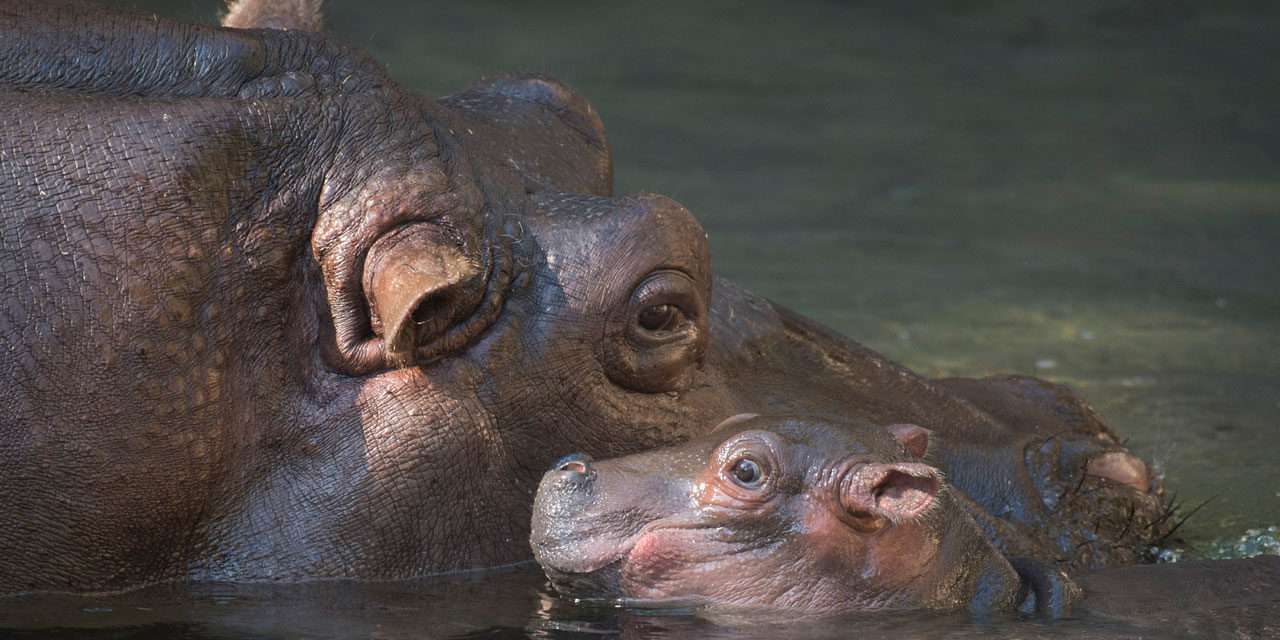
[567, 490]
[563, 539]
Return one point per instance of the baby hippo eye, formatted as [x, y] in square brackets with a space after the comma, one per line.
[746, 472]
[660, 317]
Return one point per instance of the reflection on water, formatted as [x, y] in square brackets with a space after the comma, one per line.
[1252, 543]
[515, 604]
[1085, 191]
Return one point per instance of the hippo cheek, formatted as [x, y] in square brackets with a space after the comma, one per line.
[904, 554]
[663, 564]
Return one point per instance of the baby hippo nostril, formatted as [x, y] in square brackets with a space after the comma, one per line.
[579, 463]
[574, 466]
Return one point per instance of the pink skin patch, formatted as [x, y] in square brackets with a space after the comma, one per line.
[651, 561]
[1121, 467]
[650, 552]
[914, 438]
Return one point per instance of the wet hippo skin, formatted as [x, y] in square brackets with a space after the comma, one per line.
[781, 513]
[269, 316]
[792, 515]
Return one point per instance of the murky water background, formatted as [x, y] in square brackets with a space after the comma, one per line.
[1084, 191]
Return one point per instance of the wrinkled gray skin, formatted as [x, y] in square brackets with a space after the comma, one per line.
[789, 513]
[269, 316]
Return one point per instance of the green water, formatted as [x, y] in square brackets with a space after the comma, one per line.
[1084, 191]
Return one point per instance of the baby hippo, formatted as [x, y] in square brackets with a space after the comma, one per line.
[771, 512]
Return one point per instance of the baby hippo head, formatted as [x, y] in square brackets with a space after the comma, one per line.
[779, 512]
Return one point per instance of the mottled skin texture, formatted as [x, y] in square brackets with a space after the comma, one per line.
[269, 316]
[789, 513]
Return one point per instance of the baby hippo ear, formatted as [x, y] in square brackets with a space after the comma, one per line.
[300, 15]
[878, 494]
[914, 438]
[418, 282]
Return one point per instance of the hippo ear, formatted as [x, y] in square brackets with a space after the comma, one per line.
[297, 15]
[539, 127]
[875, 495]
[913, 437]
[418, 283]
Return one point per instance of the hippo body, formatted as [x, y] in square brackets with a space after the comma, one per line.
[783, 513]
[269, 316]
[797, 516]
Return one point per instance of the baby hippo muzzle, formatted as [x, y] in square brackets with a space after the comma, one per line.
[778, 512]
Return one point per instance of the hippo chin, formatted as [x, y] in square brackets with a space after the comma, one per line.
[271, 316]
[785, 513]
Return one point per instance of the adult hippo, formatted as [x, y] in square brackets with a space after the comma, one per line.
[268, 316]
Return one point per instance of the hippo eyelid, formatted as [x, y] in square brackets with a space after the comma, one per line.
[742, 442]
[680, 301]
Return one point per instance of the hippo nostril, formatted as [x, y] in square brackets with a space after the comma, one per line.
[574, 466]
[578, 463]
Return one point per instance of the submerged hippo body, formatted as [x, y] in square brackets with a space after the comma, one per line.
[269, 316]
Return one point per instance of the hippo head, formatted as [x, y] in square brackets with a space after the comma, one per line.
[789, 513]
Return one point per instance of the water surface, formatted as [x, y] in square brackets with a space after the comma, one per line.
[516, 604]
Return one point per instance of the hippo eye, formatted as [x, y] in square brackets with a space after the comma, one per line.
[656, 340]
[660, 317]
[747, 473]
